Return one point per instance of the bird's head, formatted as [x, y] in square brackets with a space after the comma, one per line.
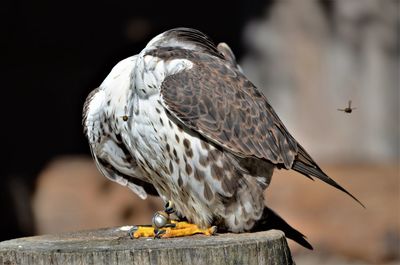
[185, 38]
[192, 39]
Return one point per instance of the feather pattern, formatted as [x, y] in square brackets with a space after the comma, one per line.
[181, 120]
[216, 100]
[222, 105]
[102, 122]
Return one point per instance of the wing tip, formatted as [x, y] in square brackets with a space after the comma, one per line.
[316, 172]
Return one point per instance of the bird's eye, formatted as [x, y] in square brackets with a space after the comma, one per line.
[124, 118]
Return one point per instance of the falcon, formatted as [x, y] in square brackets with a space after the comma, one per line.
[180, 120]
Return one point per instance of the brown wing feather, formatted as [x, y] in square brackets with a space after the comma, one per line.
[216, 100]
[221, 104]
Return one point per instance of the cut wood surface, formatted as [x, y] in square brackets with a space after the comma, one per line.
[114, 246]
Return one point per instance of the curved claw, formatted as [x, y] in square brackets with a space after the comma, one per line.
[132, 231]
[159, 232]
[141, 231]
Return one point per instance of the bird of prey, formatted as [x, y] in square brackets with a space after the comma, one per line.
[181, 120]
[348, 109]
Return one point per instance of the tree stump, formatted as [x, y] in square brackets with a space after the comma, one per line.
[113, 246]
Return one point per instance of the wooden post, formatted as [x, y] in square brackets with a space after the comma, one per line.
[113, 246]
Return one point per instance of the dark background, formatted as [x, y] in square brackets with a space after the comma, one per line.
[55, 53]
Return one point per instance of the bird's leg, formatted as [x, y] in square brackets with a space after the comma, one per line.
[163, 226]
[161, 219]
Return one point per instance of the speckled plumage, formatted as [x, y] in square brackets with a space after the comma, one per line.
[181, 120]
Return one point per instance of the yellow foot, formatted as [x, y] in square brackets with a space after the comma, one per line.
[178, 229]
[186, 229]
[141, 231]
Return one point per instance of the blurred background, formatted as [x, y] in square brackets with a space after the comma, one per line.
[309, 57]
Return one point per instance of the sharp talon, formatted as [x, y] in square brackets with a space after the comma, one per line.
[159, 232]
[141, 231]
[132, 231]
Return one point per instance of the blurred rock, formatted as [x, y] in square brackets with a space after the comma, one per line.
[72, 195]
[335, 224]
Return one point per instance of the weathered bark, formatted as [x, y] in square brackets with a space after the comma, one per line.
[113, 246]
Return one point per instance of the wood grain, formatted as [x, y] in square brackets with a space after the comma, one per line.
[113, 246]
